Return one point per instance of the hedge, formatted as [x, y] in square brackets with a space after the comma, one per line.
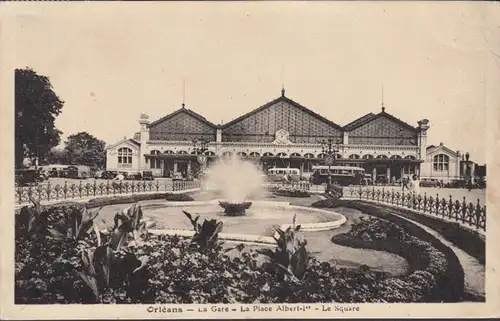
[105, 201]
[451, 278]
[472, 243]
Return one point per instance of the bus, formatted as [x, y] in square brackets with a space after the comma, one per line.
[342, 175]
[279, 174]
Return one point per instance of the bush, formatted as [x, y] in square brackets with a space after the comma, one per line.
[178, 197]
[173, 269]
[105, 201]
[290, 192]
[451, 281]
[429, 267]
[472, 243]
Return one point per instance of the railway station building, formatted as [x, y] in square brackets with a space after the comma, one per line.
[281, 133]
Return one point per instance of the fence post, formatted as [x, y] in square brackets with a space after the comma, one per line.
[48, 190]
[65, 189]
[478, 215]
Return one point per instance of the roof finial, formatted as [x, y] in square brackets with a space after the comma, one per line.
[383, 108]
[183, 93]
[283, 80]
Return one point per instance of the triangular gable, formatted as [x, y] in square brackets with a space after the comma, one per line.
[186, 111]
[441, 149]
[361, 120]
[126, 141]
[277, 100]
[371, 117]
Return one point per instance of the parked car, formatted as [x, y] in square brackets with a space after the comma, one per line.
[177, 176]
[148, 176]
[427, 182]
[25, 177]
[98, 174]
[134, 176]
[109, 174]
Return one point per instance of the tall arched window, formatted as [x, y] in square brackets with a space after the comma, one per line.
[155, 162]
[441, 162]
[367, 156]
[125, 157]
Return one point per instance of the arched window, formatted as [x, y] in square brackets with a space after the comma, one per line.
[321, 155]
[381, 157]
[410, 157]
[295, 155]
[209, 153]
[155, 162]
[241, 154]
[395, 157]
[125, 157]
[281, 155]
[254, 154]
[368, 156]
[354, 156]
[309, 155]
[441, 162]
[268, 154]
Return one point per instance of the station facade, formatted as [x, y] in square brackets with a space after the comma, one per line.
[280, 133]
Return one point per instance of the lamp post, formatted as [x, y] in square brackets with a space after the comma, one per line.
[468, 170]
[200, 146]
[330, 149]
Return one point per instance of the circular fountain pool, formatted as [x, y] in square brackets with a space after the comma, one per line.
[260, 219]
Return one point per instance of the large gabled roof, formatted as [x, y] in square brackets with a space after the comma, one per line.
[187, 111]
[285, 99]
[370, 116]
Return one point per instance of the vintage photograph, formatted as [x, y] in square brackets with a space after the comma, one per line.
[251, 153]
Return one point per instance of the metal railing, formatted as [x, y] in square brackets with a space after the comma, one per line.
[54, 192]
[464, 212]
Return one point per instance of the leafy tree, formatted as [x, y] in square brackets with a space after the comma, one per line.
[85, 149]
[36, 106]
[56, 156]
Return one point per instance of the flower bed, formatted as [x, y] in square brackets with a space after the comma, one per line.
[105, 201]
[289, 192]
[399, 236]
[428, 266]
[128, 264]
[472, 243]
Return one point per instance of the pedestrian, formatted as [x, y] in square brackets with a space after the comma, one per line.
[404, 183]
[469, 185]
[415, 185]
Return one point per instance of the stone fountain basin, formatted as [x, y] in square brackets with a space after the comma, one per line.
[258, 224]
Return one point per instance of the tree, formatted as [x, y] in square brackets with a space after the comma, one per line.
[56, 156]
[85, 149]
[36, 106]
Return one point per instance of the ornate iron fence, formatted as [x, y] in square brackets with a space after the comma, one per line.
[455, 210]
[51, 192]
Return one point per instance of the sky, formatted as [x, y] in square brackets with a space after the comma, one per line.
[112, 62]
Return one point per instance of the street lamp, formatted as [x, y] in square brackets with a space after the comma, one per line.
[200, 145]
[330, 149]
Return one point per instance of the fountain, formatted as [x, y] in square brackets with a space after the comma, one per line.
[237, 181]
[238, 198]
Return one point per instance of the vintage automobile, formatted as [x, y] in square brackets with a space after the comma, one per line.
[109, 174]
[177, 176]
[133, 176]
[26, 177]
[148, 176]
